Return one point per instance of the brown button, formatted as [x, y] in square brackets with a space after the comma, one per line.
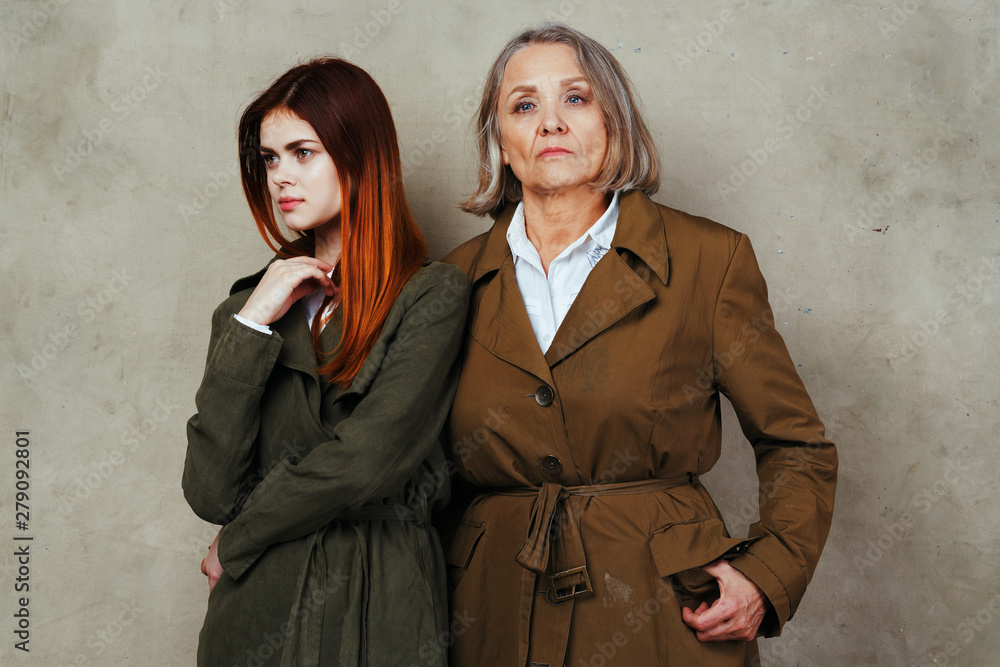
[551, 464]
[544, 395]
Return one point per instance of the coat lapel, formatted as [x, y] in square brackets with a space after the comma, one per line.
[498, 319]
[611, 291]
[500, 323]
[297, 349]
[615, 287]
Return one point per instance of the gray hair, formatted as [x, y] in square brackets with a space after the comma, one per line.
[631, 162]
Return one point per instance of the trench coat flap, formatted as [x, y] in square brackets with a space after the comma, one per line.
[682, 546]
[464, 543]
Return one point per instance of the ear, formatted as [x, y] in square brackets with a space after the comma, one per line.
[503, 156]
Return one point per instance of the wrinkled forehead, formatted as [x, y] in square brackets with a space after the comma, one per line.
[535, 65]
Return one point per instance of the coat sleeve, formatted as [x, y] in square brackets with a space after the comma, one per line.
[796, 464]
[372, 453]
[222, 435]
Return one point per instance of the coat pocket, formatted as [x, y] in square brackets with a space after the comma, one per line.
[681, 549]
[461, 549]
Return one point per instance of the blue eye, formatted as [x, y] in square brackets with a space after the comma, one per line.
[575, 99]
[524, 106]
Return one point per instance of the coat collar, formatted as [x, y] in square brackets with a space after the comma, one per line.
[297, 351]
[640, 231]
[612, 290]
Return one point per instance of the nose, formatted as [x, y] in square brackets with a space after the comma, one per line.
[552, 121]
[281, 174]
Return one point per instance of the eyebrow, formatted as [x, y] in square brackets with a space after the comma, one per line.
[531, 88]
[292, 145]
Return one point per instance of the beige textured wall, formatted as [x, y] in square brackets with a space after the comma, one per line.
[867, 137]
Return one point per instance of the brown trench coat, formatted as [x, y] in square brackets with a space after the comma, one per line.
[558, 444]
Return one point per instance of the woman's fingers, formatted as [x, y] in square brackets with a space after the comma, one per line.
[738, 612]
[285, 282]
[210, 565]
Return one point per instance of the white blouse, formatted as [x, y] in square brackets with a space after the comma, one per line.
[548, 298]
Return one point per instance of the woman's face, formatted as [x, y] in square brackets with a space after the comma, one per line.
[301, 175]
[551, 130]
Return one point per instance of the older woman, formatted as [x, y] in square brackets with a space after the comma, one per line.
[602, 329]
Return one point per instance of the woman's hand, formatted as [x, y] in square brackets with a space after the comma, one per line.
[210, 565]
[736, 615]
[285, 282]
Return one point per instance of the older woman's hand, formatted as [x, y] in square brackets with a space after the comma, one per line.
[736, 615]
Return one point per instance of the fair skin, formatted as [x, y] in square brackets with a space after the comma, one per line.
[736, 615]
[554, 139]
[302, 181]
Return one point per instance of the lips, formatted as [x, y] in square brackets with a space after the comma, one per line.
[288, 203]
[553, 151]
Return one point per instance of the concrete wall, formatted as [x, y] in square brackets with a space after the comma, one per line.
[855, 142]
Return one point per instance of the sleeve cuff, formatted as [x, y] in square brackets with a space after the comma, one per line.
[245, 354]
[759, 562]
[263, 328]
[237, 549]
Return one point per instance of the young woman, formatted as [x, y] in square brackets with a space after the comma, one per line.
[329, 377]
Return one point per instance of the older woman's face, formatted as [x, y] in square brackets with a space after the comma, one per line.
[552, 133]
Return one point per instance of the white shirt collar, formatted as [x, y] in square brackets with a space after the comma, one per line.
[601, 232]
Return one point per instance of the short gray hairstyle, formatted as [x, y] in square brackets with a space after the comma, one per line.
[632, 161]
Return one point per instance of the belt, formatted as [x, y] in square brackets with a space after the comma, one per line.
[534, 555]
[305, 622]
[571, 579]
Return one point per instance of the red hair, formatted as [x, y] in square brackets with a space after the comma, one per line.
[382, 246]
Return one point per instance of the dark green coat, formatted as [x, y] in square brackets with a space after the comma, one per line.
[325, 493]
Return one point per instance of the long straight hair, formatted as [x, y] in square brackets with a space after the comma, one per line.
[382, 246]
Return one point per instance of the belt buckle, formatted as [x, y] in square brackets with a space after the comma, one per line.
[557, 596]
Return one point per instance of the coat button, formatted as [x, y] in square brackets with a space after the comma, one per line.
[551, 464]
[544, 395]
